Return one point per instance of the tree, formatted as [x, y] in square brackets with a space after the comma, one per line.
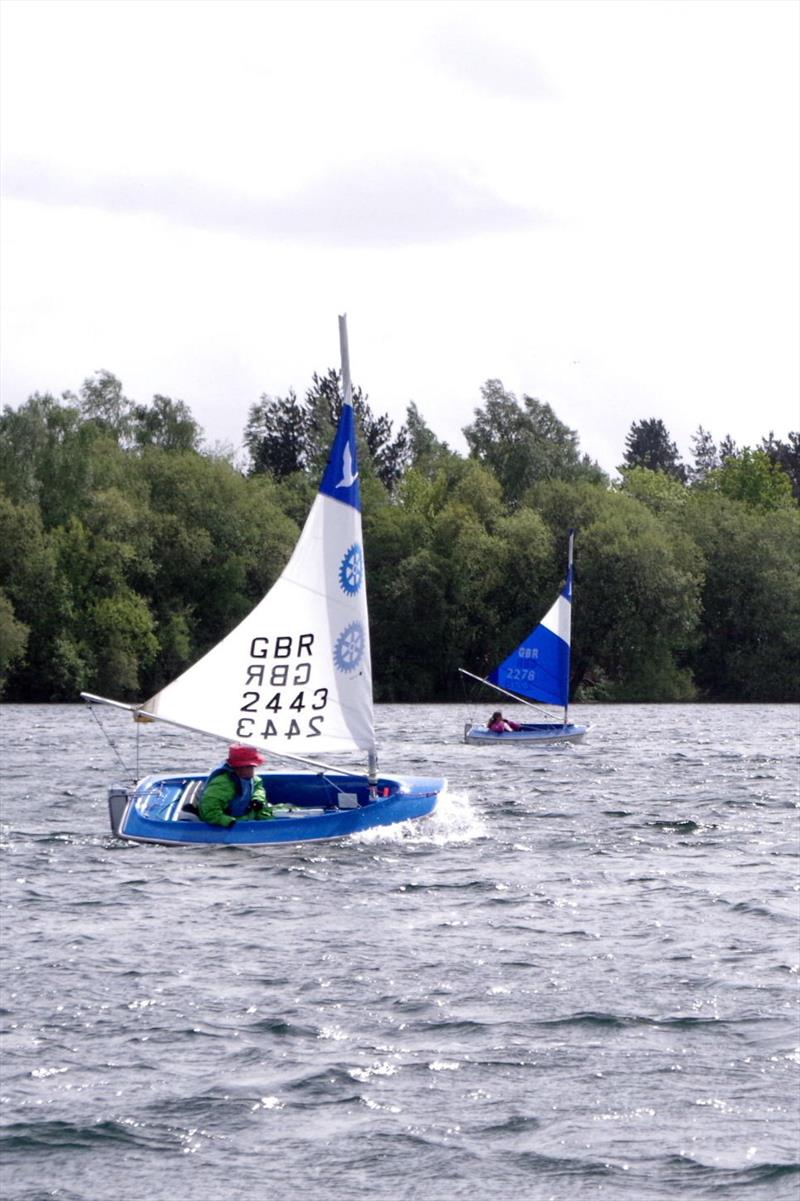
[53, 667]
[648, 445]
[166, 423]
[785, 455]
[749, 649]
[408, 623]
[523, 444]
[103, 402]
[639, 604]
[284, 436]
[13, 639]
[44, 455]
[123, 642]
[661, 493]
[387, 454]
[753, 478]
[727, 449]
[277, 436]
[425, 452]
[706, 456]
[218, 540]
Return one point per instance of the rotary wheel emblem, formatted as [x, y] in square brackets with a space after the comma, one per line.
[351, 570]
[349, 650]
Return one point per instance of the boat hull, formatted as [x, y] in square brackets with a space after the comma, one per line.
[311, 807]
[532, 733]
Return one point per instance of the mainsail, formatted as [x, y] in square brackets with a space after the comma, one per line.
[539, 668]
[295, 676]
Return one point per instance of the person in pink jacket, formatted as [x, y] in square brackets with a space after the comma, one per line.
[499, 724]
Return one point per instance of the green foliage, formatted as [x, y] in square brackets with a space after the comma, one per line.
[408, 623]
[639, 604]
[126, 551]
[40, 599]
[13, 638]
[286, 436]
[123, 641]
[103, 404]
[45, 456]
[165, 423]
[648, 445]
[523, 444]
[426, 454]
[218, 541]
[785, 455]
[277, 436]
[660, 492]
[749, 646]
[753, 478]
[427, 492]
[706, 456]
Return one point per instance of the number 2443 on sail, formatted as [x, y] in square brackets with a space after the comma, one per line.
[246, 727]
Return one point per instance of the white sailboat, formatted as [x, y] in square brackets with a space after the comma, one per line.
[292, 679]
[538, 670]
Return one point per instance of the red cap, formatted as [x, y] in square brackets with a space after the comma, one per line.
[245, 756]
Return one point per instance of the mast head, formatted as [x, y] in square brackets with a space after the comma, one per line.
[344, 350]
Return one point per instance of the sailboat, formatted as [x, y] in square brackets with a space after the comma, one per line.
[293, 679]
[538, 670]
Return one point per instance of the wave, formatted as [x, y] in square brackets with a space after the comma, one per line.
[622, 1021]
[719, 1180]
[31, 1139]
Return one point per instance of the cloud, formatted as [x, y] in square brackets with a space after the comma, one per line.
[390, 203]
[505, 71]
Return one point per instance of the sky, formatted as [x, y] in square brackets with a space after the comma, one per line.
[595, 203]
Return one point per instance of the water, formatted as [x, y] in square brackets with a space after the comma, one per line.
[577, 980]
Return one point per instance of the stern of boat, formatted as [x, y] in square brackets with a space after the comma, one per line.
[118, 800]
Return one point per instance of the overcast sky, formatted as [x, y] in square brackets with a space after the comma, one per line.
[596, 203]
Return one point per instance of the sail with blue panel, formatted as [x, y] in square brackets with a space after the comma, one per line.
[539, 667]
[295, 676]
[538, 670]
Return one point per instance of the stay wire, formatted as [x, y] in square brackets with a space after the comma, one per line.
[114, 747]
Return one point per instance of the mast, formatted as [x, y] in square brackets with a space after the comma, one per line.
[570, 555]
[347, 397]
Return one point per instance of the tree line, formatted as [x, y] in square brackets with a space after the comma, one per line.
[128, 548]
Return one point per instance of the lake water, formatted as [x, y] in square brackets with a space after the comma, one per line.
[579, 979]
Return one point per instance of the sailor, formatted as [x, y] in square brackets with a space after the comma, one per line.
[499, 724]
[233, 792]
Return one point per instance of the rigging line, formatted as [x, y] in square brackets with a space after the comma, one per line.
[141, 715]
[514, 696]
[111, 743]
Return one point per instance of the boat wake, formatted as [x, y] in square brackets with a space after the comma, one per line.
[453, 821]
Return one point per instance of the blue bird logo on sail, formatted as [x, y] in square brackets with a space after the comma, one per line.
[349, 475]
[340, 480]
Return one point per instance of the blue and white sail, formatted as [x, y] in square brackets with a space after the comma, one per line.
[295, 677]
[539, 667]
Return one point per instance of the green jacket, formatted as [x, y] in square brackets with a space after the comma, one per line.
[220, 789]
